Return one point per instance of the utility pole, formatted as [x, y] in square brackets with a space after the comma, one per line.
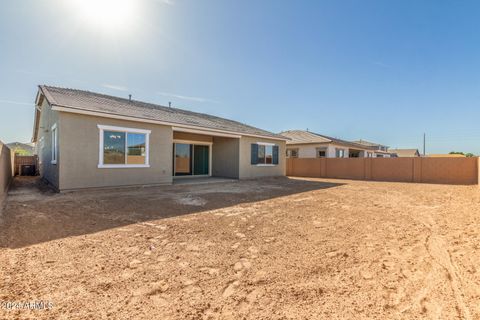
[424, 138]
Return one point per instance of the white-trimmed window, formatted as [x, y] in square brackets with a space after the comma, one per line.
[121, 147]
[264, 154]
[54, 131]
[321, 152]
[340, 153]
[292, 153]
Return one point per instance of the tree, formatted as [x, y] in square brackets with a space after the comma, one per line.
[468, 155]
[22, 152]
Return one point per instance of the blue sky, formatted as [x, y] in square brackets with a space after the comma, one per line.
[386, 71]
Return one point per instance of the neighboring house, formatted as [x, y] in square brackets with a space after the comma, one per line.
[405, 153]
[23, 149]
[86, 139]
[381, 151]
[306, 144]
[450, 155]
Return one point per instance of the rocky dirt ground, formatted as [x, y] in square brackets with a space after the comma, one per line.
[268, 249]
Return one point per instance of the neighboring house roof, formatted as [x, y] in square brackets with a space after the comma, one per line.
[369, 143]
[446, 156]
[80, 101]
[302, 136]
[405, 152]
[381, 151]
[308, 137]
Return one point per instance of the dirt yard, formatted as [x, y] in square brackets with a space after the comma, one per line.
[270, 249]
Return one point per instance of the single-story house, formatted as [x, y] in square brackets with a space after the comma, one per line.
[405, 153]
[307, 144]
[87, 140]
[381, 151]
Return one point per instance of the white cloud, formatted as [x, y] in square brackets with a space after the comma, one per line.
[167, 2]
[189, 98]
[114, 87]
[17, 102]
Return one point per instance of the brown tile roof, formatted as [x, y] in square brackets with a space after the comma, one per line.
[308, 137]
[101, 103]
[369, 143]
[301, 136]
[405, 152]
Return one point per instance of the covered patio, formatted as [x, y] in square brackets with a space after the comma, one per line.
[199, 154]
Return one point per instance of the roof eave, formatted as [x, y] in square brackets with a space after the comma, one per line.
[38, 103]
[289, 142]
[71, 109]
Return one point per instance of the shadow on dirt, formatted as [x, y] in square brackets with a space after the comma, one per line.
[34, 213]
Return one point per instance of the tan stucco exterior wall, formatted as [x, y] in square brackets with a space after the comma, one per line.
[310, 150]
[48, 171]
[225, 157]
[79, 153]
[247, 170]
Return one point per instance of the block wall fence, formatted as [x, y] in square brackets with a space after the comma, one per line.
[420, 170]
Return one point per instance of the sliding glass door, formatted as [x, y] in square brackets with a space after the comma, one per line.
[200, 160]
[191, 159]
[183, 159]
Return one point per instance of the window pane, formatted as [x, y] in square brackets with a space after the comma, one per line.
[113, 147]
[183, 159]
[293, 153]
[261, 154]
[136, 148]
[268, 154]
[201, 156]
[54, 144]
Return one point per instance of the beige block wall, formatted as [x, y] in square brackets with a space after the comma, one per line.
[345, 168]
[391, 169]
[48, 118]
[421, 170]
[449, 170]
[79, 152]
[5, 171]
[225, 157]
[306, 167]
[247, 170]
